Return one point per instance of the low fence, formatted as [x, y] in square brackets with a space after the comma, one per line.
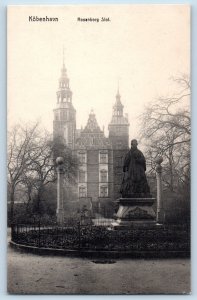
[102, 222]
[91, 237]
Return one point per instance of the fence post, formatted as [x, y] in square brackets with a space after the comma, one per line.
[12, 231]
[160, 210]
[17, 229]
[39, 233]
[60, 191]
[79, 235]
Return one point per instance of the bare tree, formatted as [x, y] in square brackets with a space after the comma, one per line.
[166, 130]
[31, 163]
[21, 150]
[41, 170]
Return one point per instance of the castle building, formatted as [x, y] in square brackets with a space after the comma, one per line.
[101, 158]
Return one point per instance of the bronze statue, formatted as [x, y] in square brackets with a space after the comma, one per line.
[134, 183]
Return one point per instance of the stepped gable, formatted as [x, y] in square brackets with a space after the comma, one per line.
[92, 124]
[92, 136]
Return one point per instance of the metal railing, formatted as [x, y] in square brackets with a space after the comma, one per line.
[79, 236]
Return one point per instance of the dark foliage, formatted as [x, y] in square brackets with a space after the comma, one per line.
[169, 238]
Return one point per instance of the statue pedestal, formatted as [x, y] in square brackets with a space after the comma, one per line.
[135, 212]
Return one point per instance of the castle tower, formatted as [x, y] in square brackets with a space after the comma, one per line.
[64, 124]
[119, 126]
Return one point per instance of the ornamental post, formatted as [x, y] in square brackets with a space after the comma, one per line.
[160, 210]
[60, 191]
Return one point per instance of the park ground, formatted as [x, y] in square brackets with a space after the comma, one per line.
[36, 274]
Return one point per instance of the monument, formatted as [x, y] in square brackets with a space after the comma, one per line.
[136, 203]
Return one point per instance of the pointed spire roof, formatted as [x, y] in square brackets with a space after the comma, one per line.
[64, 94]
[118, 102]
[63, 69]
[118, 116]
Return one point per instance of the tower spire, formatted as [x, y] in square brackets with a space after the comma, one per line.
[119, 125]
[118, 105]
[118, 89]
[64, 124]
[64, 93]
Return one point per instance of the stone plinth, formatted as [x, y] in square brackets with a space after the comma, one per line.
[135, 212]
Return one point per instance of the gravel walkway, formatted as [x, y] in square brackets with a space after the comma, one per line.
[35, 274]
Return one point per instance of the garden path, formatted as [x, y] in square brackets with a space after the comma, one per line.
[35, 274]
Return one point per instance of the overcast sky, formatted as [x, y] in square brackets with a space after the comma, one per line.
[142, 47]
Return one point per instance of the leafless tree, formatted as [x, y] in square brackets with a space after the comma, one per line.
[21, 150]
[166, 130]
[41, 170]
[31, 162]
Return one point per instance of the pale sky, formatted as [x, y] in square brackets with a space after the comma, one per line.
[142, 47]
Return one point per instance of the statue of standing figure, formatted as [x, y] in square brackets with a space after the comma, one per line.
[134, 183]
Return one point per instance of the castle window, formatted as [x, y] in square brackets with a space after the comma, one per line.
[82, 157]
[82, 176]
[82, 192]
[103, 191]
[103, 175]
[103, 158]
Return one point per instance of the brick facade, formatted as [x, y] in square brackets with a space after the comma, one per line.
[101, 158]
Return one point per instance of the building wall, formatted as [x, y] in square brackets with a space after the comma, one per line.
[118, 170]
[93, 174]
[94, 167]
[119, 142]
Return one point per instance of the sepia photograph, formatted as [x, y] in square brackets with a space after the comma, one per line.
[98, 149]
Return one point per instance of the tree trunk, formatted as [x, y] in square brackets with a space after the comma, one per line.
[12, 205]
[39, 199]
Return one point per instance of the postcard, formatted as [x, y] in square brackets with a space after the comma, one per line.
[98, 153]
